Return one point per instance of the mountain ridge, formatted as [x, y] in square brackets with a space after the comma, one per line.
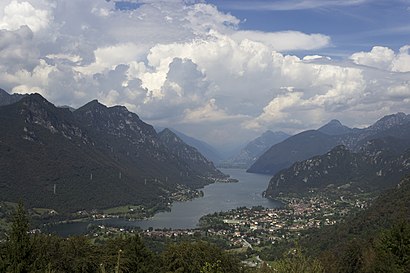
[6, 98]
[376, 163]
[94, 157]
[335, 127]
[255, 148]
[314, 142]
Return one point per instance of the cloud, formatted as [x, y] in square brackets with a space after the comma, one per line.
[285, 40]
[401, 63]
[16, 50]
[17, 14]
[208, 113]
[384, 58]
[379, 57]
[188, 65]
[326, 89]
[290, 4]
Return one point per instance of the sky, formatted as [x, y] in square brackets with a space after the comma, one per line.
[221, 71]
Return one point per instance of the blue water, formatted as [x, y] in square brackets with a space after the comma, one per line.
[183, 215]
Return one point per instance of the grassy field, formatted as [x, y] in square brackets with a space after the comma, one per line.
[123, 209]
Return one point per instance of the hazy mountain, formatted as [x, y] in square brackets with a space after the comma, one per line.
[377, 164]
[6, 98]
[188, 154]
[204, 148]
[315, 142]
[93, 158]
[334, 127]
[386, 126]
[389, 121]
[251, 152]
[298, 147]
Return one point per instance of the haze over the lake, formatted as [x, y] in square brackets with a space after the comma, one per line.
[221, 71]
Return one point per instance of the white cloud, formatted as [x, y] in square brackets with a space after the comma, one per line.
[385, 58]
[276, 110]
[379, 57]
[208, 113]
[17, 14]
[401, 62]
[190, 66]
[285, 40]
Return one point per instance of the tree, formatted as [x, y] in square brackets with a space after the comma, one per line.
[393, 249]
[19, 245]
[212, 267]
[128, 255]
[78, 254]
[137, 257]
[296, 262]
[351, 258]
[198, 256]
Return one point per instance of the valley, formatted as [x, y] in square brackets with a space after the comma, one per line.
[103, 174]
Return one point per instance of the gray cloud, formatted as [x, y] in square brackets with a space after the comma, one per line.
[188, 65]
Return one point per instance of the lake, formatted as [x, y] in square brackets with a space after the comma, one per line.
[185, 215]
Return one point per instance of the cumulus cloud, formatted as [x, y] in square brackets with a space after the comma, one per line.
[188, 65]
[17, 14]
[401, 63]
[379, 57]
[385, 58]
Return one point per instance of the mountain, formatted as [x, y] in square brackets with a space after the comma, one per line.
[188, 154]
[390, 125]
[378, 163]
[316, 142]
[204, 148]
[94, 157]
[295, 148]
[341, 167]
[251, 152]
[6, 98]
[355, 243]
[389, 121]
[137, 145]
[335, 127]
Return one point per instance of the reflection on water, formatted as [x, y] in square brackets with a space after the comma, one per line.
[217, 197]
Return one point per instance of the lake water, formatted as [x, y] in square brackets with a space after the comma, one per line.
[183, 215]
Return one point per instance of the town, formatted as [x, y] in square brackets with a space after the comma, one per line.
[250, 230]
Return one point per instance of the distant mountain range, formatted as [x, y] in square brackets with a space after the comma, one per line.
[317, 142]
[374, 158]
[254, 149]
[93, 157]
[204, 148]
[295, 148]
[188, 154]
